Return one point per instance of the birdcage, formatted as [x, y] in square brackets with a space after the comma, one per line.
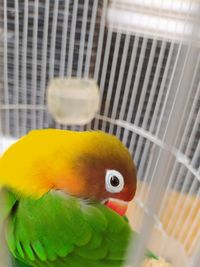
[145, 58]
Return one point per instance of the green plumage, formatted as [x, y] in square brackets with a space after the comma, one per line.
[58, 230]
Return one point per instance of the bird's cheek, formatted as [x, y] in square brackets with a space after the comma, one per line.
[127, 194]
[71, 185]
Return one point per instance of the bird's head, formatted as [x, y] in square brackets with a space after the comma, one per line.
[90, 165]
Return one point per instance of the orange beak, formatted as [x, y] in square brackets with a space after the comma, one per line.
[117, 205]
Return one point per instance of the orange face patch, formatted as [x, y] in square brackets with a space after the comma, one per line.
[72, 184]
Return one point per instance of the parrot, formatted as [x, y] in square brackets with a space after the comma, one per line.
[65, 196]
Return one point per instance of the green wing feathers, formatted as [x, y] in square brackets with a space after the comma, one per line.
[57, 230]
[7, 200]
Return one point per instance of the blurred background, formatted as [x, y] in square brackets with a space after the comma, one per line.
[140, 61]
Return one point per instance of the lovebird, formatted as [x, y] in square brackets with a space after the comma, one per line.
[65, 197]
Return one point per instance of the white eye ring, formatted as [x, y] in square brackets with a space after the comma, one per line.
[116, 185]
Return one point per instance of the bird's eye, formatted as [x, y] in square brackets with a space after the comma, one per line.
[114, 181]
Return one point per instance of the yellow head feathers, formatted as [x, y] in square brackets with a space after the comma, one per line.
[65, 160]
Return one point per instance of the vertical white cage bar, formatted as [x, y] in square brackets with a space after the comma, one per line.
[24, 64]
[34, 64]
[5, 69]
[16, 68]
[90, 40]
[64, 40]
[53, 39]
[44, 61]
[82, 40]
[72, 39]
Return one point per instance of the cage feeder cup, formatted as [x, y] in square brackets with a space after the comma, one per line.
[73, 101]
